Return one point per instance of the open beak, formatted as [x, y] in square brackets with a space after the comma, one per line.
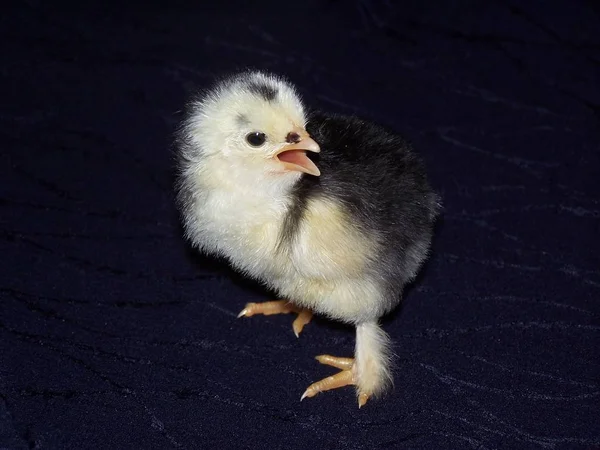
[293, 156]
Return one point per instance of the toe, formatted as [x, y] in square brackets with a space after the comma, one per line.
[304, 317]
[362, 400]
[334, 361]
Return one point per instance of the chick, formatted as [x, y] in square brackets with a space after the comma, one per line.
[333, 213]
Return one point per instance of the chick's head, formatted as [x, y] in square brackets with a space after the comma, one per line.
[252, 125]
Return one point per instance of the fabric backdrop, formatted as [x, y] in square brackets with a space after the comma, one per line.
[114, 335]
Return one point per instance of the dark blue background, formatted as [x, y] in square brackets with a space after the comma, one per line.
[114, 335]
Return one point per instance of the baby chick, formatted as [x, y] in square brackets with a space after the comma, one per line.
[333, 213]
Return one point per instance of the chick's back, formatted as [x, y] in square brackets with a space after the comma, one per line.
[381, 186]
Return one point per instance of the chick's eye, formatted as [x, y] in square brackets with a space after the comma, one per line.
[256, 139]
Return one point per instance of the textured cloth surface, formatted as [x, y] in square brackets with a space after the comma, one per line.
[113, 334]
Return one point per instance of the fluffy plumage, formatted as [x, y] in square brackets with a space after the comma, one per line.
[343, 242]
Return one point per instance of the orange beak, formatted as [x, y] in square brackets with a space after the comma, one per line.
[293, 156]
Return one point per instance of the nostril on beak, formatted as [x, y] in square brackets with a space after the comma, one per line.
[292, 138]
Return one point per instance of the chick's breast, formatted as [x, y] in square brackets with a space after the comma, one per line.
[332, 264]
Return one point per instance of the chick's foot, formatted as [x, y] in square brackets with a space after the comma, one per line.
[346, 377]
[279, 307]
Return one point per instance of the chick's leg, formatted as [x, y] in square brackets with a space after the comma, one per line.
[368, 371]
[279, 307]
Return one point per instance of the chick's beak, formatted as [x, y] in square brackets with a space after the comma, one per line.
[293, 156]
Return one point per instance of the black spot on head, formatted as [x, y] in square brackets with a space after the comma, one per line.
[268, 93]
[242, 120]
